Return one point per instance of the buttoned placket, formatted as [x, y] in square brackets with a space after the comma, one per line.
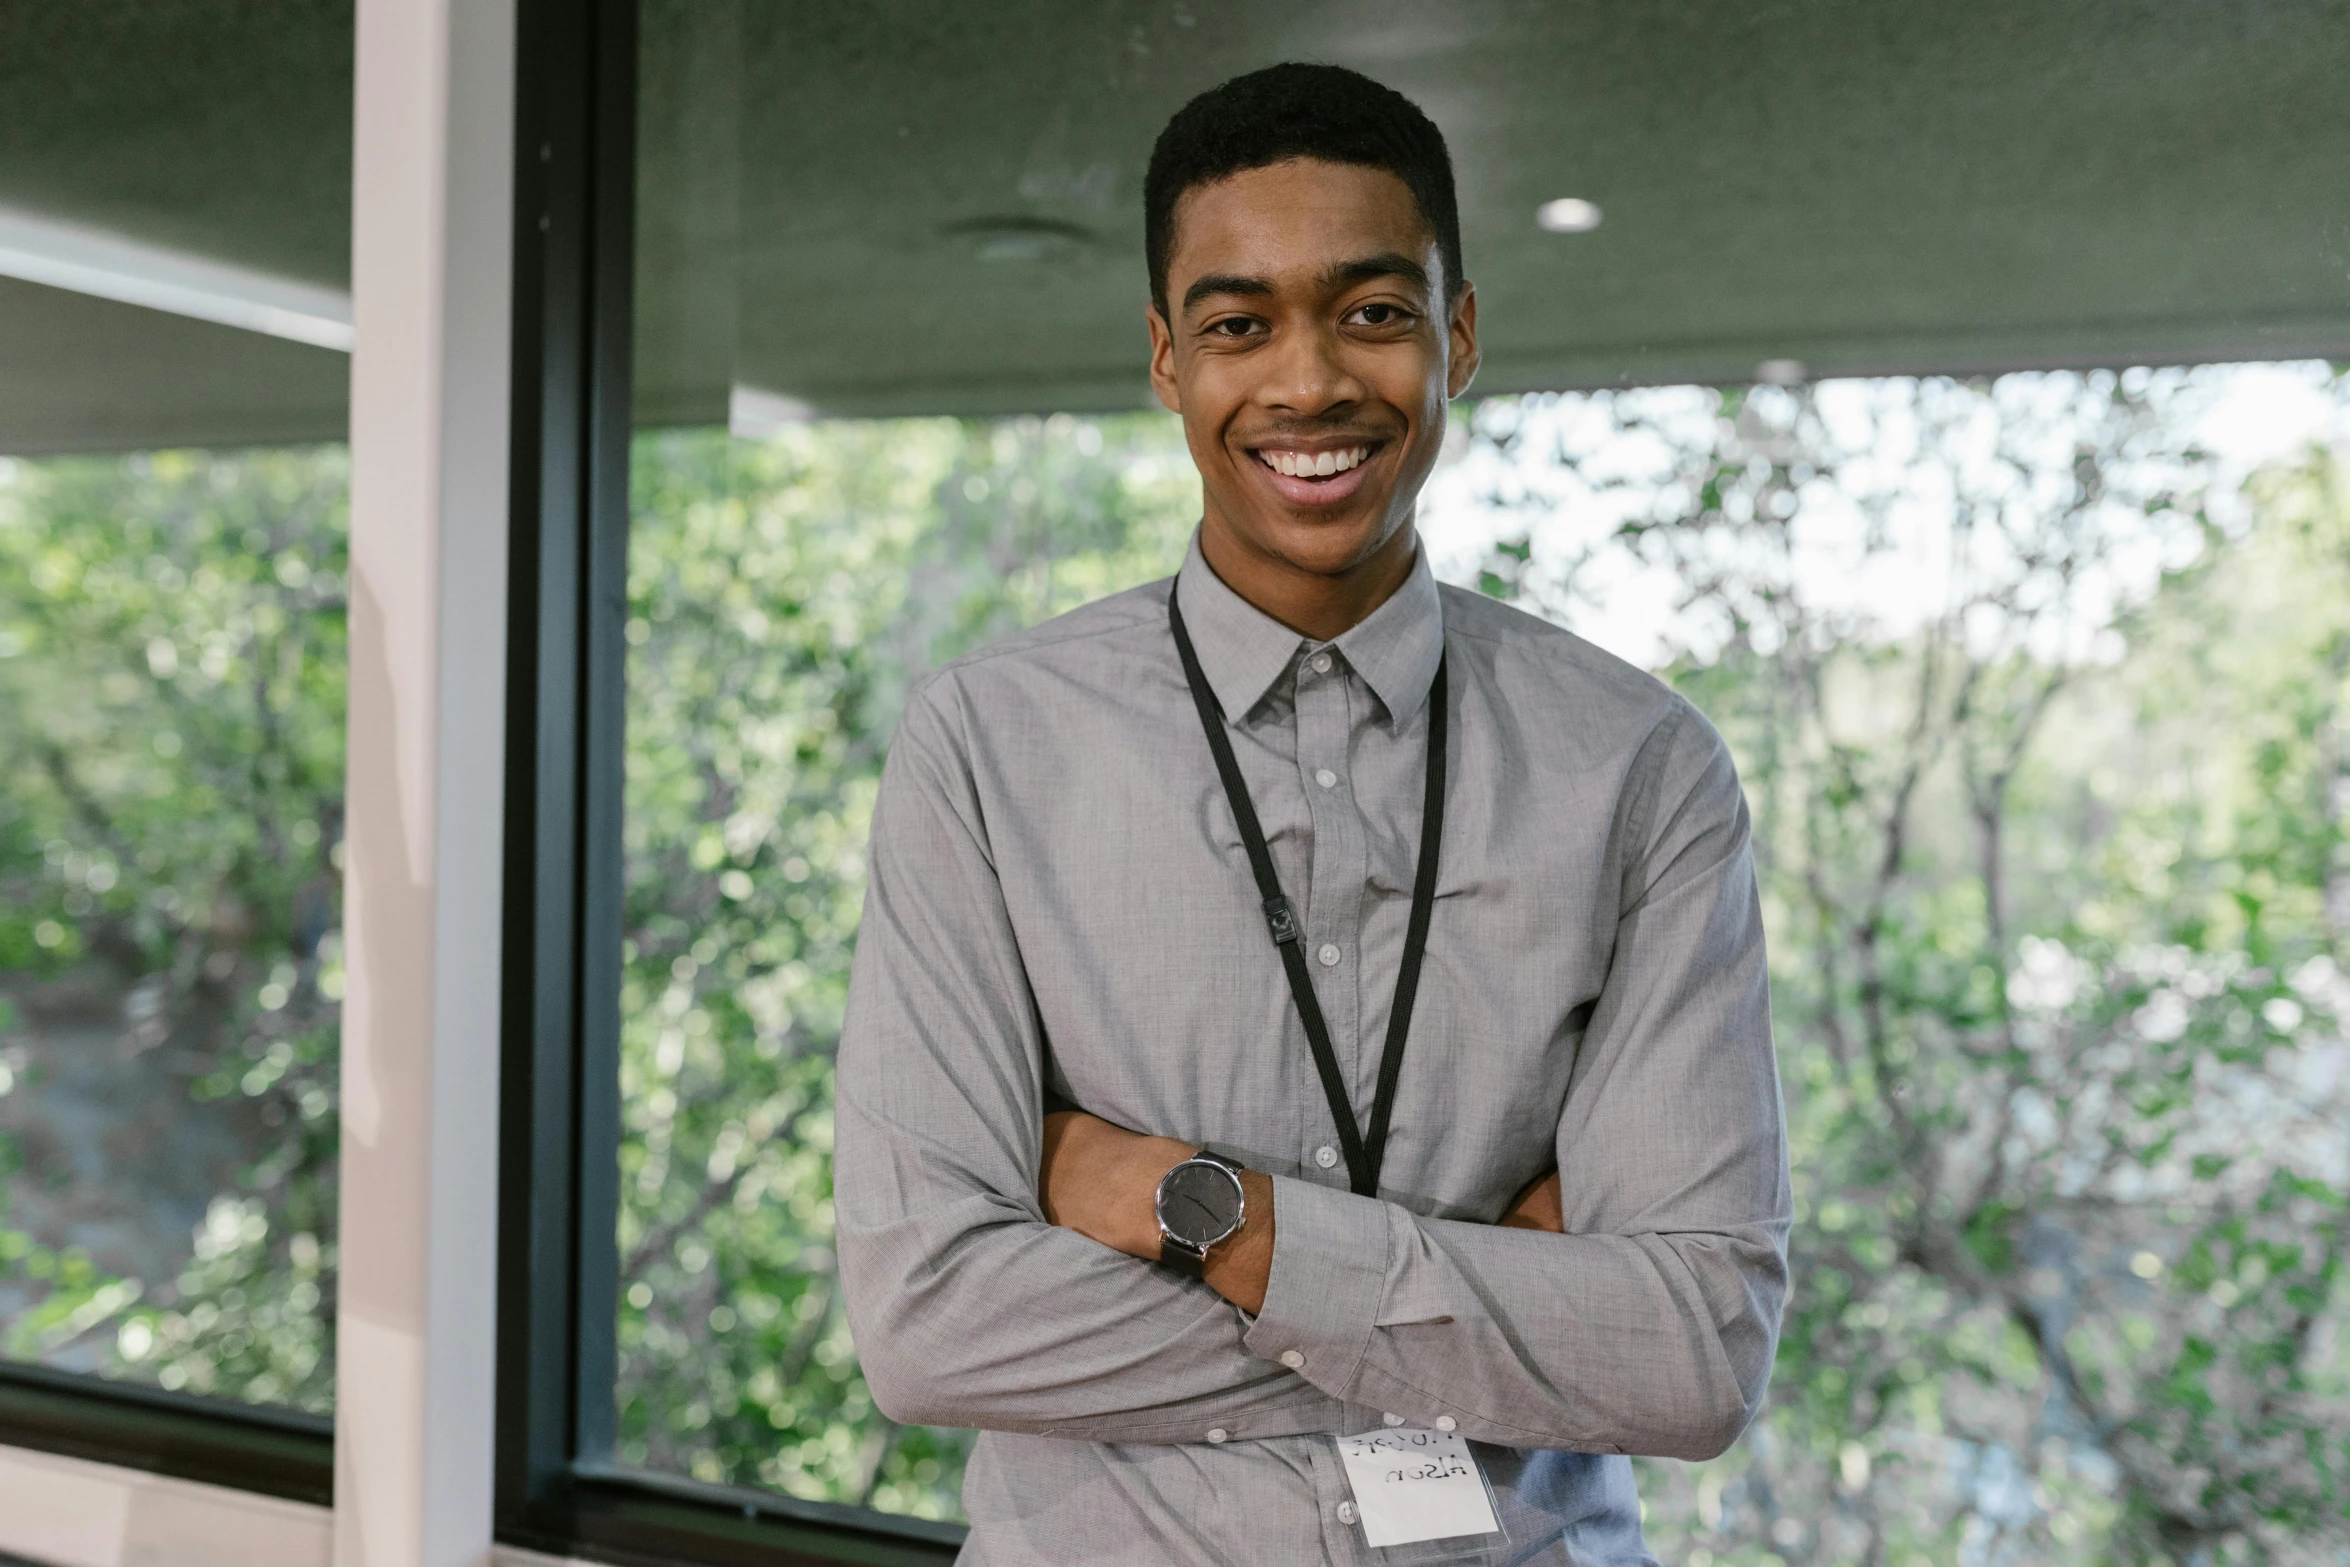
[1329, 701]
[1334, 1498]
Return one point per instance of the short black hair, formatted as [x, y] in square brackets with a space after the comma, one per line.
[1298, 111]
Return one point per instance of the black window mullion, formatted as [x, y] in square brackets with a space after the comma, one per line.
[277, 1452]
[660, 1521]
[541, 1080]
[564, 917]
[611, 228]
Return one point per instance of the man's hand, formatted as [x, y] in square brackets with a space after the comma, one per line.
[1103, 1182]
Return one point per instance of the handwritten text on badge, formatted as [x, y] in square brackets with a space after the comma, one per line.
[1412, 1484]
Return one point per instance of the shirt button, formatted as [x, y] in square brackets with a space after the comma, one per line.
[1445, 1422]
[1393, 1420]
[1346, 1512]
[1325, 1156]
[1219, 1435]
[1329, 955]
[1326, 778]
[1321, 663]
[1293, 1359]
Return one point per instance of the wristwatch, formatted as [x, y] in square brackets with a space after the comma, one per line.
[1200, 1203]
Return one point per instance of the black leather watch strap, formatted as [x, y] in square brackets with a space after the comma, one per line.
[1179, 1256]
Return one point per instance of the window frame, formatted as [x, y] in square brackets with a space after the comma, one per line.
[559, 1135]
[285, 1453]
[559, 1113]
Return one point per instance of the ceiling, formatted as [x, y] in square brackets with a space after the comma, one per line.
[220, 128]
[910, 206]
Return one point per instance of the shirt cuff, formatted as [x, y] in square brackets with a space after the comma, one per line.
[1329, 1272]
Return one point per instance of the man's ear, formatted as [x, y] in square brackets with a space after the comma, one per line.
[1464, 343]
[1162, 358]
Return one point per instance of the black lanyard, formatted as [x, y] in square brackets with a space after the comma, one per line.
[1363, 1155]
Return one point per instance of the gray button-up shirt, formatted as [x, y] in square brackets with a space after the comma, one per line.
[1060, 904]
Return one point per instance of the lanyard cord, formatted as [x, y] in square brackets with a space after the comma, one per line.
[1363, 1155]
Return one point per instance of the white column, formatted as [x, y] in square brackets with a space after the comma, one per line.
[431, 276]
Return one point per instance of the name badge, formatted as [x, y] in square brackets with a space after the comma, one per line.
[1413, 1484]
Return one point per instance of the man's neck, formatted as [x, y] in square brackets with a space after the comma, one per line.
[1317, 605]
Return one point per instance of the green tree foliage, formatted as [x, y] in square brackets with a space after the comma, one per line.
[2051, 825]
[2041, 709]
[171, 769]
[782, 595]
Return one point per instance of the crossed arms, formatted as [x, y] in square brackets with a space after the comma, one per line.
[1099, 1180]
[989, 1252]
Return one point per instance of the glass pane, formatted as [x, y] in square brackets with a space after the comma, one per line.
[782, 592]
[2036, 679]
[171, 695]
[2036, 686]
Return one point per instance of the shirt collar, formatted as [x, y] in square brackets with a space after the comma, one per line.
[1243, 651]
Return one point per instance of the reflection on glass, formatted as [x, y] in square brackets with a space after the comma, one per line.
[171, 769]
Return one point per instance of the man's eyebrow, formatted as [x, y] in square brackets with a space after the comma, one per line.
[1224, 283]
[1371, 268]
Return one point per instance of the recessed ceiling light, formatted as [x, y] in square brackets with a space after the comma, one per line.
[1568, 215]
[1018, 237]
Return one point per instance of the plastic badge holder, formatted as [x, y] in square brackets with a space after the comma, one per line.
[1408, 1479]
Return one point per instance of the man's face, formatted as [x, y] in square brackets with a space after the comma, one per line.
[1308, 349]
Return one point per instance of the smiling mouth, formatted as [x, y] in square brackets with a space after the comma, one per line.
[1314, 465]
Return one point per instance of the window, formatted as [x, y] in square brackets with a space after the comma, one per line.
[171, 713]
[2024, 879]
[2035, 681]
[172, 516]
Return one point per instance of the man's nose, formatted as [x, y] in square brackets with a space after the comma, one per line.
[1310, 374]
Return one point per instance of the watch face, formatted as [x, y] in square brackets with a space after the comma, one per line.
[1199, 1203]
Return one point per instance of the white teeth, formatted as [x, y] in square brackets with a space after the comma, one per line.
[1315, 465]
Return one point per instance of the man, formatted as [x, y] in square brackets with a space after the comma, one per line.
[1476, 1032]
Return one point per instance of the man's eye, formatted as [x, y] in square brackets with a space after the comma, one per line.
[1232, 326]
[1380, 314]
